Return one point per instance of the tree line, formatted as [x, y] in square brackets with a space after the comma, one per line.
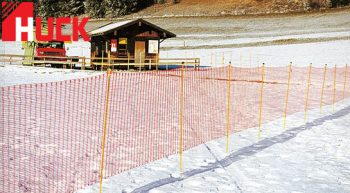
[115, 8]
[90, 8]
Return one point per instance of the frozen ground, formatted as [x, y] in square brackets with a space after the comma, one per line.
[301, 158]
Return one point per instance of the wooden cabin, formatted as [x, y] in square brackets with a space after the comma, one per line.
[133, 41]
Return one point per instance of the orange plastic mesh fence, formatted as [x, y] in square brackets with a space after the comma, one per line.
[51, 133]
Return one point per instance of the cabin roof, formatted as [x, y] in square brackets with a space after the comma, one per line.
[123, 24]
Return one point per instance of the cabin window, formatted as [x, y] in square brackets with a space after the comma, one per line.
[153, 46]
[123, 46]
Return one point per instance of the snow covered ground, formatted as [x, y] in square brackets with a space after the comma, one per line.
[17, 74]
[301, 158]
[320, 53]
[311, 158]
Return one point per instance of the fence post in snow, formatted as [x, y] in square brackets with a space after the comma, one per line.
[215, 58]
[307, 92]
[228, 106]
[223, 58]
[261, 98]
[287, 96]
[104, 127]
[181, 113]
[345, 77]
[323, 84]
[335, 85]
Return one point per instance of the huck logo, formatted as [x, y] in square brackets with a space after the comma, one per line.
[18, 25]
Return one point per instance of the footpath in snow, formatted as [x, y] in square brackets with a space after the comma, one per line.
[312, 157]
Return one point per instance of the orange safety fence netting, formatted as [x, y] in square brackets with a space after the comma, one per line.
[51, 133]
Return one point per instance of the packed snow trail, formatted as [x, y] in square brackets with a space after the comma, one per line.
[246, 151]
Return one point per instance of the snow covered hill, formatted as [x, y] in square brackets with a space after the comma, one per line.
[302, 158]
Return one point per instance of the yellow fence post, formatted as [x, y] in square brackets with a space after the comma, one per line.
[83, 63]
[307, 92]
[223, 58]
[335, 85]
[258, 62]
[109, 60]
[228, 106]
[345, 77]
[181, 112]
[102, 65]
[261, 99]
[141, 61]
[214, 58]
[157, 66]
[71, 63]
[287, 95]
[128, 61]
[323, 85]
[104, 127]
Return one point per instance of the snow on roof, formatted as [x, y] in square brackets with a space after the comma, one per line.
[116, 26]
[109, 27]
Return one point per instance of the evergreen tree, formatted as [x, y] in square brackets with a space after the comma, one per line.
[72, 7]
[95, 8]
[48, 8]
[120, 7]
[92, 8]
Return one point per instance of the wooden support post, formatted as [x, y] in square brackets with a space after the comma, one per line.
[128, 61]
[102, 65]
[104, 128]
[150, 63]
[261, 99]
[258, 62]
[323, 85]
[228, 116]
[181, 113]
[157, 62]
[109, 60]
[140, 62]
[287, 95]
[223, 58]
[214, 58]
[334, 86]
[345, 77]
[307, 93]
[83, 63]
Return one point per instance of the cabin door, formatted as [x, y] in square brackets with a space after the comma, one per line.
[140, 52]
